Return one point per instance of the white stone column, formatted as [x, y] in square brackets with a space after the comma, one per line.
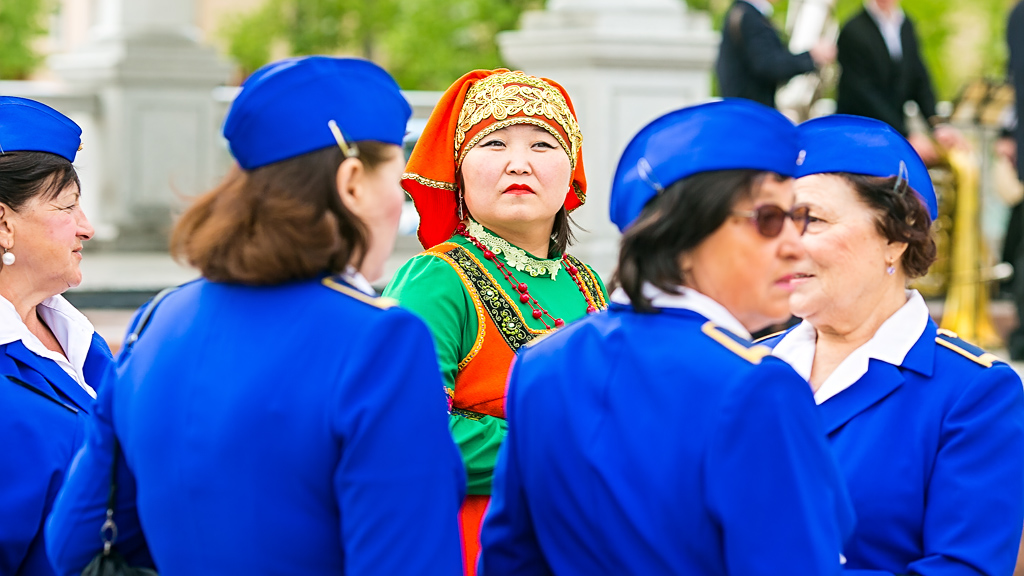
[624, 63]
[157, 117]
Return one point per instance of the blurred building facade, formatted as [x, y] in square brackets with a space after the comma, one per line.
[146, 80]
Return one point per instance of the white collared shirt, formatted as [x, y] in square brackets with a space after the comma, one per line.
[688, 299]
[890, 344]
[889, 25]
[763, 6]
[358, 281]
[71, 328]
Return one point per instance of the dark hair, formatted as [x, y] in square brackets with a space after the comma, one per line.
[562, 232]
[900, 217]
[26, 175]
[279, 222]
[674, 222]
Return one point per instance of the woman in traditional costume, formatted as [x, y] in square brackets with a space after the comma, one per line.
[494, 176]
[656, 438]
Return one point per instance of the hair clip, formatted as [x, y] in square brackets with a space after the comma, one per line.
[902, 177]
[643, 168]
[350, 151]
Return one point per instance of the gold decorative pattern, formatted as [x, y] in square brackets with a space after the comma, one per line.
[439, 252]
[513, 303]
[512, 122]
[382, 303]
[753, 354]
[985, 359]
[428, 182]
[592, 288]
[501, 96]
[516, 257]
[579, 194]
[772, 335]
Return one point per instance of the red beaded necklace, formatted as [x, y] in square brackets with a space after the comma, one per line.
[539, 312]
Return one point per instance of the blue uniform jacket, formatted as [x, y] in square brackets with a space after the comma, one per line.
[661, 444]
[933, 456]
[43, 425]
[292, 429]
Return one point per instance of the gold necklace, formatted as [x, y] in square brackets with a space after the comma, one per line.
[516, 257]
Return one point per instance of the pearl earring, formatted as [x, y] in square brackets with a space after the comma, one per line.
[8, 258]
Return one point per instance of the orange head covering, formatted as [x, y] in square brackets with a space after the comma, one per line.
[477, 104]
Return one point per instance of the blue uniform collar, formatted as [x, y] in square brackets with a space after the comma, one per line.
[881, 380]
[49, 378]
[892, 343]
[688, 299]
[71, 328]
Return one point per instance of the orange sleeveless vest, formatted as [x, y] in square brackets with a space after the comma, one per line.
[502, 330]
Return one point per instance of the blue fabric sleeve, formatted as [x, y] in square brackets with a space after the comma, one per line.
[508, 542]
[399, 479]
[73, 528]
[975, 505]
[29, 456]
[771, 481]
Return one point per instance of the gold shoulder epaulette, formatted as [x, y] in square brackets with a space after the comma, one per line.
[948, 339]
[772, 335]
[752, 353]
[379, 302]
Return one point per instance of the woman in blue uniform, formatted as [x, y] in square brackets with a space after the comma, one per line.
[655, 438]
[927, 429]
[51, 360]
[276, 417]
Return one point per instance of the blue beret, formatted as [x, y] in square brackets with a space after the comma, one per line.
[27, 125]
[284, 108]
[726, 134]
[858, 145]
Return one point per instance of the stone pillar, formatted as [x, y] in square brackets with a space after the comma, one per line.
[157, 119]
[624, 63]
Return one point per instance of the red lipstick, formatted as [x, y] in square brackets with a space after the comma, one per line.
[518, 188]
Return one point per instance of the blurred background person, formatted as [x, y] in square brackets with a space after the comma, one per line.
[927, 429]
[277, 417]
[752, 60]
[51, 360]
[882, 70]
[656, 438]
[494, 176]
[1009, 148]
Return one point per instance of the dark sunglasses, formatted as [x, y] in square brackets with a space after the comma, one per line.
[769, 218]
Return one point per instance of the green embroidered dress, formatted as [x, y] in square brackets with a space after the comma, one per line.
[478, 322]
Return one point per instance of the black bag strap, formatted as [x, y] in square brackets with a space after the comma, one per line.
[109, 527]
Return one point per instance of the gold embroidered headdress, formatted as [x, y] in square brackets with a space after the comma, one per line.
[477, 104]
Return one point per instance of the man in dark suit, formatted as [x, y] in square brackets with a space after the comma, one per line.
[1011, 146]
[753, 62]
[882, 70]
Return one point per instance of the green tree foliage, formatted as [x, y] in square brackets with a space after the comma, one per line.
[21, 24]
[426, 44]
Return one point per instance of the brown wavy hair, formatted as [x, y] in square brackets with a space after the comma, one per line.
[900, 216]
[280, 222]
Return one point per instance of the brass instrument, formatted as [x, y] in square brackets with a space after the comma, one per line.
[966, 271]
[966, 311]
